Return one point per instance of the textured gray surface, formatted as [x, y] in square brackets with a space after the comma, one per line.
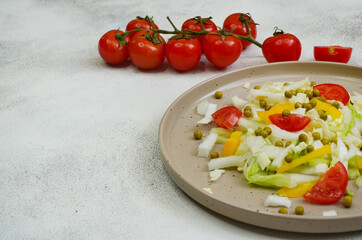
[79, 156]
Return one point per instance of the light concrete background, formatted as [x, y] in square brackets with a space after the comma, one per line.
[79, 156]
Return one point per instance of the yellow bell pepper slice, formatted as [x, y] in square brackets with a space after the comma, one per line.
[330, 110]
[359, 163]
[317, 153]
[231, 144]
[296, 192]
[278, 108]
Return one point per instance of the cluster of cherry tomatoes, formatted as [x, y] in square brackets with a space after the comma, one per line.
[143, 43]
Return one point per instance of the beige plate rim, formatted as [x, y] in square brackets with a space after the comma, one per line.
[218, 204]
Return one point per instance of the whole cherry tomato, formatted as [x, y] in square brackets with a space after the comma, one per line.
[183, 54]
[333, 92]
[110, 48]
[222, 51]
[282, 47]
[227, 117]
[194, 24]
[331, 187]
[142, 23]
[291, 123]
[234, 21]
[332, 53]
[146, 50]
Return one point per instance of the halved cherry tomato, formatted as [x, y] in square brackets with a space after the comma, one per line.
[332, 53]
[233, 22]
[141, 23]
[331, 187]
[183, 54]
[291, 123]
[281, 47]
[227, 117]
[333, 92]
[222, 51]
[194, 24]
[144, 53]
[110, 50]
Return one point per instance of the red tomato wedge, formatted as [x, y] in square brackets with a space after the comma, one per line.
[227, 117]
[291, 123]
[333, 92]
[332, 53]
[331, 187]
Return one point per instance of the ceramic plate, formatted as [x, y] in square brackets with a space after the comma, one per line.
[231, 195]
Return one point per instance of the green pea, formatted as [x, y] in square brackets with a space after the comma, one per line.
[214, 155]
[257, 87]
[322, 99]
[197, 135]
[248, 113]
[258, 132]
[316, 92]
[308, 107]
[297, 105]
[335, 104]
[347, 201]
[286, 84]
[268, 107]
[303, 138]
[323, 116]
[299, 91]
[264, 133]
[299, 210]
[247, 108]
[288, 94]
[325, 141]
[283, 211]
[218, 94]
[313, 103]
[288, 143]
[310, 148]
[286, 113]
[316, 135]
[279, 144]
[313, 83]
[309, 93]
[293, 92]
[288, 158]
[268, 129]
[262, 103]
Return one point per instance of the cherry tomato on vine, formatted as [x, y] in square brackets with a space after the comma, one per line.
[227, 117]
[282, 47]
[331, 187]
[333, 92]
[222, 51]
[142, 23]
[291, 123]
[144, 53]
[183, 54]
[234, 21]
[332, 53]
[110, 48]
[194, 24]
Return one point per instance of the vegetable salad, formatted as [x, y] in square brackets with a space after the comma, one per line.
[298, 137]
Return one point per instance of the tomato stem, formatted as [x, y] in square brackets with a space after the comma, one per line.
[184, 32]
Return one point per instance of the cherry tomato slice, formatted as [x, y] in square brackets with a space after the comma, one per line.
[227, 117]
[332, 53]
[291, 123]
[331, 187]
[333, 92]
